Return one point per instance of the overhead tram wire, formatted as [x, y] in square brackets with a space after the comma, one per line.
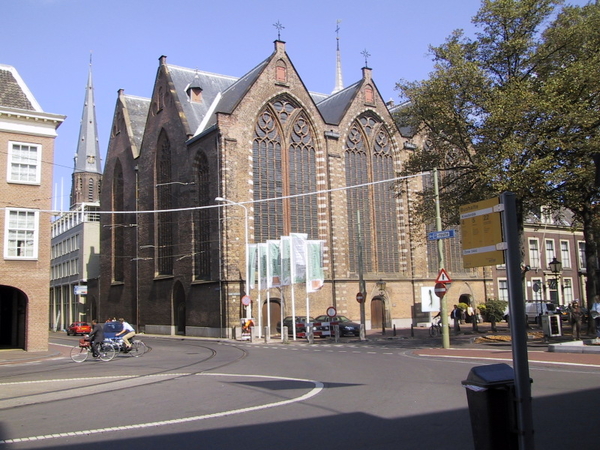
[194, 208]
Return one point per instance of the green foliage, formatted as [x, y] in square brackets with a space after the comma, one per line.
[463, 306]
[493, 309]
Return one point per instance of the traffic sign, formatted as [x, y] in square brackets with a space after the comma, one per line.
[246, 300]
[443, 277]
[435, 235]
[331, 312]
[360, 297]
[440, 289]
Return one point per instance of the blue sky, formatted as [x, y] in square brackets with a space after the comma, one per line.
[50, 41]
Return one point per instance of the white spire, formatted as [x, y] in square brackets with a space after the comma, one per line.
[339, 83]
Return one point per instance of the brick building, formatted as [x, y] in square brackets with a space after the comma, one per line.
[27, 136]
[288, 161]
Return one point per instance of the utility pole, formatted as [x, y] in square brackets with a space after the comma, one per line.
[440, 244]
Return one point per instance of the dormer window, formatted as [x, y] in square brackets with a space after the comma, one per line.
[195, 94]
[194, 91]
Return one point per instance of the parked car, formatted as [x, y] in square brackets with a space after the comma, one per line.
[300, 324]
[79, 328]
[111, 329]
[536, 308]
[347, 326]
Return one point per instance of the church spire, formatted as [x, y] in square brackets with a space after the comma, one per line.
[339, 84]
[87, 173]
[87, 158]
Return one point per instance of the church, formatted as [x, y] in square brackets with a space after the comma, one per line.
[211, 164]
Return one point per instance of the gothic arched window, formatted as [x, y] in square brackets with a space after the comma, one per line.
[164, 201]
[284, 166]
[372, 210]
[202, 220]
[118, 222]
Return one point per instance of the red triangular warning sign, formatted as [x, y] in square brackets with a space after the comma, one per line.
[443, 277]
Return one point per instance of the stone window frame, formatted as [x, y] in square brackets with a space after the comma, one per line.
[21, 234]
[21, 168]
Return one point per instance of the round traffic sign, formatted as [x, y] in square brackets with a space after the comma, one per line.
[440, 289]
[360, 297]
[246, 300]
[331, 312]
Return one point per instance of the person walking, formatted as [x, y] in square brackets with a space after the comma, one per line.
[576, 318]
[456, 315]
[96, 337]
[128, 332]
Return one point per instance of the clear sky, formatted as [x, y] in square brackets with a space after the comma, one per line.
[49, 42]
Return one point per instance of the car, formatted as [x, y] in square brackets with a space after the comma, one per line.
[111, 329]
[300, 324]
[79, 328]
[534, 309]
[347, 326]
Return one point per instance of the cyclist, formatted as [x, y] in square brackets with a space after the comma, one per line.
[128, 333]
[96, 337]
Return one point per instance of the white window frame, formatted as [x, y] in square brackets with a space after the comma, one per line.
[31, 230]
[14, 160]
[550, 251]
[539, 295]
[567, 291]
[534, 253]
[565, 254]
[503, 289]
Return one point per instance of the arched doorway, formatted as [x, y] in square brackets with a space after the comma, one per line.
[275, 313]
[179, 308]
[13, 308]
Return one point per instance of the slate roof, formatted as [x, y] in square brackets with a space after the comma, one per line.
[335, 106]
[212, 85]
[13, 91]
[137, 109]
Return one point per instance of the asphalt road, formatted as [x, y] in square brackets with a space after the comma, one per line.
[201, 394]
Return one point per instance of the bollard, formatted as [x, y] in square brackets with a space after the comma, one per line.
[362, 332]
[251, 334]
[394, 329]
[284, 335]
[267, 335]
[336, 332]
[310, 335]
[412, 330]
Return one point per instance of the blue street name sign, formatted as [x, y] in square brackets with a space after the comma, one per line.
[434, 235]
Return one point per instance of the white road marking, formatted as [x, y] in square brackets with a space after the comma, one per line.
[318, 387]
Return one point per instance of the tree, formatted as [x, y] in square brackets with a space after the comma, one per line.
[515, 109]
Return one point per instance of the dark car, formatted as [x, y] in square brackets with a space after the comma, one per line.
[300, 324]
[347, 327]
[111, 329]
[79, 328]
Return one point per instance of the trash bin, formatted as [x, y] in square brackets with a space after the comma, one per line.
[490, 395]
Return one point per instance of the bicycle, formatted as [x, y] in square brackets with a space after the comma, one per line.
[138, 348]
[81, 352]
[436, 327]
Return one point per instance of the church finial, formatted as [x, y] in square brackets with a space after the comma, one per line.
[339, 84]
[279, 28]
[366, 54]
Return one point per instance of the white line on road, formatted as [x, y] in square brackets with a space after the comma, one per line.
[318, 387]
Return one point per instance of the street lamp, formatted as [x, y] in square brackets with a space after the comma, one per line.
[556, 267]
[231, 202]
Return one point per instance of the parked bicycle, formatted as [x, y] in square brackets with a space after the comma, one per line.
[138, 348]
[83, 350]
[436, 327]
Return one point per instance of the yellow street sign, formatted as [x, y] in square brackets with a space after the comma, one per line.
[481, 229]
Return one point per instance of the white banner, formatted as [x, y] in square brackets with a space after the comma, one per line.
[315, 273]
[273, 264]
[298, 257]
[285, 250]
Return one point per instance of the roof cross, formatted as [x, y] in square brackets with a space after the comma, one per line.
[279, 28]
[366, 54]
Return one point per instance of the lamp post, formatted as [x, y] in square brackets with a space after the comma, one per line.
[556, 267]
[231, 202]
